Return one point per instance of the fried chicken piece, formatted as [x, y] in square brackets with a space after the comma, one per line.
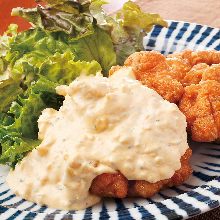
[212, 73]
[202, 72]
[184, 73]
[194, 76]
[170, 89]
[116, 185]
[110, 185]
[145, 61]
[201, 106]
[146, 189]
[161, 74]
[141, 188]
[179, 68]
[194, 57]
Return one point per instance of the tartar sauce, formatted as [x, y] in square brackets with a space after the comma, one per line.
[105, 125]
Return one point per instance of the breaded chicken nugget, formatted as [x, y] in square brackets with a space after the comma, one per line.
[212, 73]
[116, 185]
[161, 74]
[194, 57]
[179, 68]
[145, 61]
[201, 106]
[110, 185]
[194, 76]
[170, 89]
[202, 72]
[114, 69]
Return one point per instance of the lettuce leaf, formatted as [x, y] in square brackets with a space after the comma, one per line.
[127, 28]
[63, 69]
[9, 90]
[71, 22]
[7, 38]
[97, 46]
[82, 20]
[18, 127]
[14, 148]
[134, 18]
[18, 124]
[32, 48]
[27, 109]
[37, 41]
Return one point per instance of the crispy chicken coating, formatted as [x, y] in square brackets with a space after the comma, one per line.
[110, 185]
[202, 72]
[170, 89]
[201, 105]
[200, 102]
[212, 73]
[194, 76]
[194, 57]
[161, 74]
[116, 185]
[179, 68]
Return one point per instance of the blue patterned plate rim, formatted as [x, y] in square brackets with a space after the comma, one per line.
[191, 23]
[207, 194]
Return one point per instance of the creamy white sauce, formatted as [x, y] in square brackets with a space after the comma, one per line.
[105, 125]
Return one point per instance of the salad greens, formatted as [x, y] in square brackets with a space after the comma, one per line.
[68, 38]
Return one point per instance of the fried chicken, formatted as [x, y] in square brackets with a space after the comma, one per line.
[182, 78]
[161, 74]
[110, 185]
[200, 100]
[212, 73]
[116, 185]
[201, 105]
[194, 57]
[194, 76]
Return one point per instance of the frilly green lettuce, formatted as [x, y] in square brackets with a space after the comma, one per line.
[9, 90]
[23, 99]
[63, 69]
[18, 129]
[80, 19]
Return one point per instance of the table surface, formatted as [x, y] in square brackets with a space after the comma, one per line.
[198, 11]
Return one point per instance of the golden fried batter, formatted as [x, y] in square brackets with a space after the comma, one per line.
[116, 185]
[146, 189]
[179, 68]
[145, 61]
[202, 72]
[194, 76]
[110, 185]
[194, 57]
[212, 73]
[170, 89]
[201, 106]
[200, 102]
[161, 74]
